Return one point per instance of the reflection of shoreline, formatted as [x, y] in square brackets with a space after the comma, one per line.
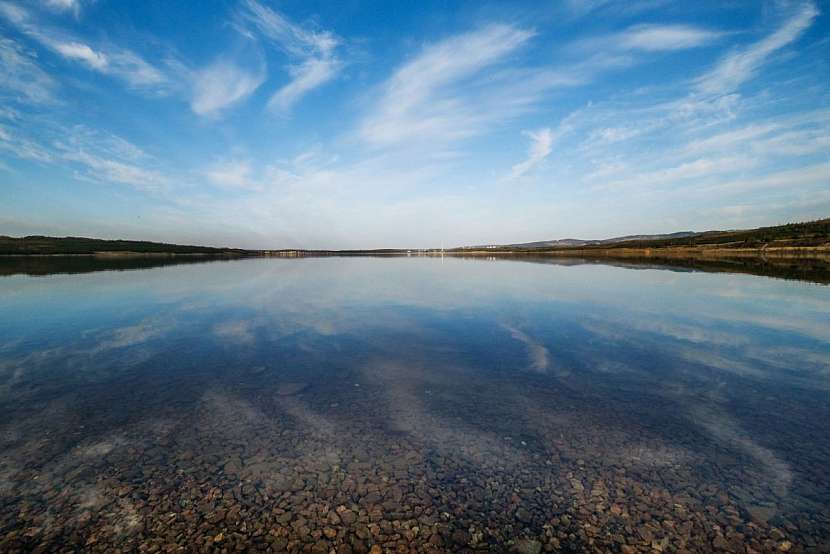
[812, 269]
[38, 265]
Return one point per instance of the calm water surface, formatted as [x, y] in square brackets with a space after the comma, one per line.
[413, 405]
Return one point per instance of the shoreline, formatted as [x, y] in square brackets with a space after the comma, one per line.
[802, 264]
[680, 252]
[107, 254]
[789, 252]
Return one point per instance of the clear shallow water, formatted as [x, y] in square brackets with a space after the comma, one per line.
[413, 404]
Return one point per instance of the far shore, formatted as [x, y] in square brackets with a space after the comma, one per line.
[105, 254]
[661, 252]
[673, 252]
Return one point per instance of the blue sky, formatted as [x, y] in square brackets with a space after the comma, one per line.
[262, 123]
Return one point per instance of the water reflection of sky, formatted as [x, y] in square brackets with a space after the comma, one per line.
[461, 355]
[768, 328]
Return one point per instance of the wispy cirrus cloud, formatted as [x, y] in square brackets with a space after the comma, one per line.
[791, 135]
[21, 78]
[306, 76]
[582, 8]
[312, 53]
[232, 174]
[73, 6]
[459, 87]
[647, 38]
[741, 65]
[704, 140]
[81, 52]
[22, 147]
[107, 158]
[425, 97]
[120, 63]
[541, 145]
[223, 84]
[658, 38]
[99, 169]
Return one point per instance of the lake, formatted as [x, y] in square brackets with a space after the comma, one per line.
[412, 404]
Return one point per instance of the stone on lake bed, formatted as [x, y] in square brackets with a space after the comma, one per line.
[290, 389]
[523, 515]
[527, 546]
[761, 513]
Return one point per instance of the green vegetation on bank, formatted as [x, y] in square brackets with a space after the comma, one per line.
[811, 234]
[807, 234]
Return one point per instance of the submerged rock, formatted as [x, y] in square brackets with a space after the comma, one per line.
[527, 546]
[761, 513]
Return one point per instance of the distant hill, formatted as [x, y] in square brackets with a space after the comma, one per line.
[588, 242]
[80, 245]
[811, 234]
[807, 234]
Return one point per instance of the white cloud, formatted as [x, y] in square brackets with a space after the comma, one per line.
[117, 62]
[664, 37]
[107, 170]
[21, 78]
[222, 84]
[134, 70]
[233, 174]
[21, 147]
[240, 174]
[73, 6]
[314, 61]
[305, 77]
[610, 135]
[584, 7]
[540, 147]
[463, 85]
[610, 8]
[738, 67]
[83, 53]
[292, 38]
[812, 176]
[673, 176]
[798, 135]
[108, 158]
[419, 100]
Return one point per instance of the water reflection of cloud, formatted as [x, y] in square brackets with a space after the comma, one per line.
[240, 331]
[87, 354]
[708, 343]
[275, 449]
[775, 471]
[131, 335]
[405, 388]
[538, 354]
